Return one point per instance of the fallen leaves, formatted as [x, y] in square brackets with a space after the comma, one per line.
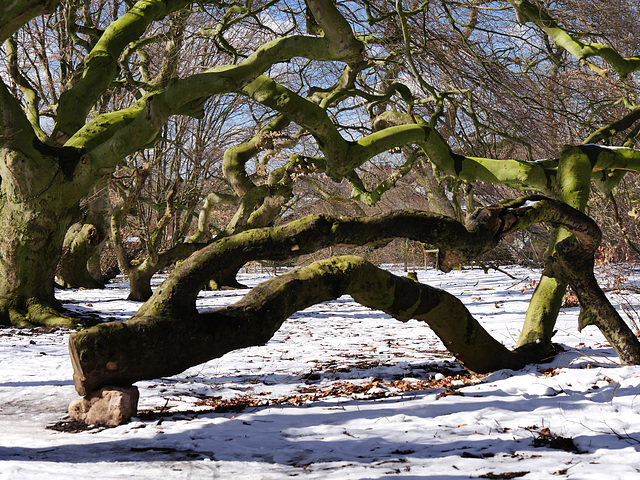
[368, 390]
[550, 372]
[504, 475]
[547, 439]
[71, 426]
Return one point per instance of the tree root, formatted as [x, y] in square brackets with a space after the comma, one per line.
[34, 314]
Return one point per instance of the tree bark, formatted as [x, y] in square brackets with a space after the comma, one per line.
[140, 275]
[574, 186]
[30, 250]
[574, 265]
[15, 13]
[581, 50]
[79, 246]
[83, 243]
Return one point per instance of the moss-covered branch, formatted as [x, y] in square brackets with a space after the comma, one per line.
[456, 242]
[573, 185]
[612, 158]
[236, 157]
[540, 176]
[140, 274]
[31, 98]
[110, 137]
[16, 131]
[394, 130]
[231, 78]
[305, 113]
[176, 336]
[101, 64]
[515, 173]
[15, 13]
[23, 154]
[153, 346]
[582, 51]
[605, 133]
[337, 30]
[359, 191]
[203, 233]
[79, 245]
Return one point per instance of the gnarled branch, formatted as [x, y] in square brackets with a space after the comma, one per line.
[176, 336]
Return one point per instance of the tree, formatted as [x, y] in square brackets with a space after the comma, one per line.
[45, 175]
[326, 99]
[80, 265]
[165, 190]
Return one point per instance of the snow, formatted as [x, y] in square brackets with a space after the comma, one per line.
[529, 203]
[607, 147]
[499, 426]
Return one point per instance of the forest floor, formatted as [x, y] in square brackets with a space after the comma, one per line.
[341, 392]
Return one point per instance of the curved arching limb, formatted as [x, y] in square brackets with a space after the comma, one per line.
[168, 334]
[152, 346]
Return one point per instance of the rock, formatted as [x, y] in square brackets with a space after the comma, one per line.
[109, 406]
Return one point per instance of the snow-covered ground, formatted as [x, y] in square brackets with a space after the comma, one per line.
[341, 392]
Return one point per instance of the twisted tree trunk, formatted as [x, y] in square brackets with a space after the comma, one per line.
[30, 251]
[83, 243]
